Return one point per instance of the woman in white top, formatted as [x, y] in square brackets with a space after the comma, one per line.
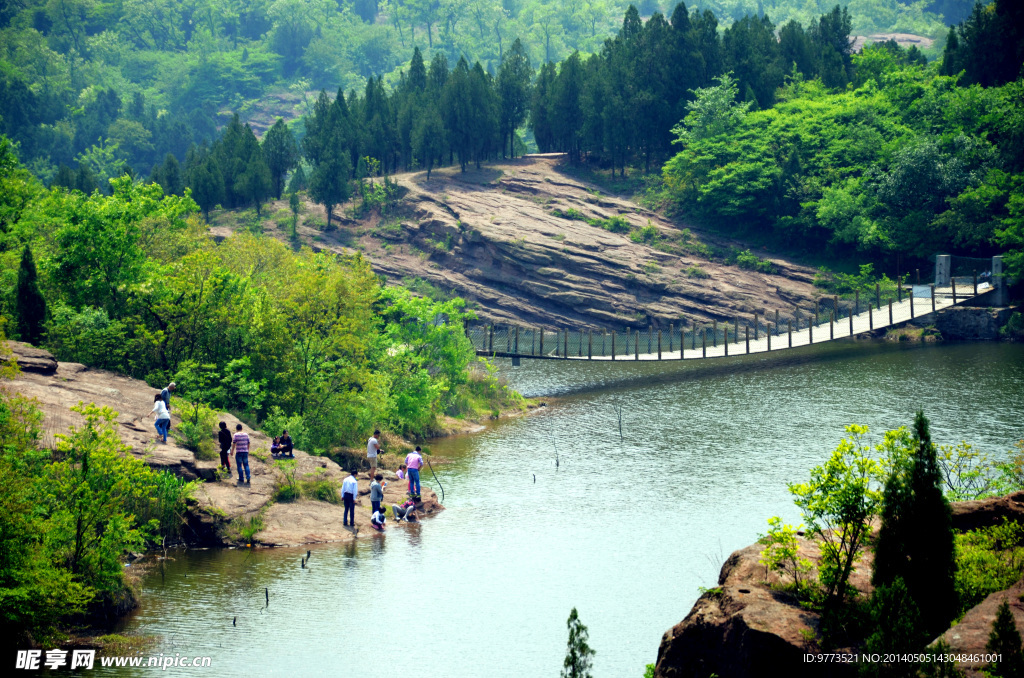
[163, 417]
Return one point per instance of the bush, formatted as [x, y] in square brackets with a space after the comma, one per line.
[647, 235]
[571, 214]
[320, 488]
[697, 272]
[749, 261]
[195, 432]
[988, 560]
[1013, 330]
[781, 553]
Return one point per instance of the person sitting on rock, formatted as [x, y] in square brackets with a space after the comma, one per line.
[377, 520]
[406, 511]
[275, 446]
[286, 444]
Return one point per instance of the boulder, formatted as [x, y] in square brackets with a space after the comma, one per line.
[31, 359]
[970, 636]
[972, 515]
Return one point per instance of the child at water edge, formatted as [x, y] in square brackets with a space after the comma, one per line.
[377, 519]
[376, 492]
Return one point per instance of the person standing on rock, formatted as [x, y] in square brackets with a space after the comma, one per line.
[240, 445]
[163, 417]
[414, 461]
[224, 438]
[372, 448]
[376, 492]
[165, 395]
[349, 492]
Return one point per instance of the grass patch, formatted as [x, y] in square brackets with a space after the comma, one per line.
[746, 259]
[559, 236]
[697, 272]
[570, 214]
[650, 268]
[614, 224]
[320, 487]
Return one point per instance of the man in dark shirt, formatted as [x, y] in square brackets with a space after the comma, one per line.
[286, 444]
[224, 437]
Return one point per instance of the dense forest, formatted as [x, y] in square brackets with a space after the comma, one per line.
[109, 84]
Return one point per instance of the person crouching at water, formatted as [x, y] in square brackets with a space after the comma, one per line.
[224, 438]
[376, 492]
[163, 417]
[406, 511]
[377, 520]
[414, 461]
[240, 444]
[349, 491]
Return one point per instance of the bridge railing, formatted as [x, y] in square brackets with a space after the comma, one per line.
[830, 317]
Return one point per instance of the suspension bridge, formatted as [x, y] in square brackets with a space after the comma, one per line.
[832, 319]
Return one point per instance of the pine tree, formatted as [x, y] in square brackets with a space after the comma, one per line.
[298, 181]
[897, 629]
[915, 542]
[281, 154]
[514, 77]
[293, 203]
[29, 304]
[428, 138]
[578, 655]
[204, 179]
[1005, 641]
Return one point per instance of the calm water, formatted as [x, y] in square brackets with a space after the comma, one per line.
[624, 530]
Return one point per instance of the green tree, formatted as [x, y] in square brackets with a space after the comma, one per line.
[29, 304]
[578, 655]
[204, 179]
[838, 503]
[513, 84]
[293, 204]
[915, 542]
[897, 629]
[1005, 641]
[281, 153]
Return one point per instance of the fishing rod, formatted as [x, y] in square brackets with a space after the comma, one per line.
[435, 478]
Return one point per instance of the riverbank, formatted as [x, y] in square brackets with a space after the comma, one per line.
[751, 618]
[223, 513]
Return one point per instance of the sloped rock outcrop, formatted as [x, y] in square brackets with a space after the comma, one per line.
[219, 502]
[745, 629]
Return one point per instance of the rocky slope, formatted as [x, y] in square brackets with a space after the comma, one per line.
[222, 505]
[494, 237]
[742, 626]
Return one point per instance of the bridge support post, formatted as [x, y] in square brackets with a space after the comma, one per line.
[542, 341]
[704, 343]
[714, 332]
[693, 336]
[768, 333]
[580, 351]
[490, 344]
[832, 325]
[952, 282]
[659, 344]
[931, 288]
[943, 269]
[851, 324]
[878, 296]
[565, 345]
[856, 302]
[748, 338]
[776, 322]
[590, 344]
[671, 337]
[790, 323]
[871, 318]
[975, 278]
[1001, 296]
[636, 346]
[613, 345]
[899, 289]
[910, 297]
[810, 328]
[890, 310]
[757, 328]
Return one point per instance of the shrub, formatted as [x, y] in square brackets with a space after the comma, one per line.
[647, 235]
[320, 488]
[571, 214]
[750, 261]
[195, 432]
[286, 489]
[697, 272]
[781, 552]
[988, 560]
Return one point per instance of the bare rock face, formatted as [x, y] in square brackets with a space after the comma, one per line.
[31, 359]
[218, 502]
[972, 324]
[513, 240]
[743, 627]
[970, 636]
[973, 515]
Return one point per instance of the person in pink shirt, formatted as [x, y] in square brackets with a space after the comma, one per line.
[414, 462]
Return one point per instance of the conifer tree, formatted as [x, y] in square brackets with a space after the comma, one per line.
[513, 83]
[281, 154]
[1005, 641]
[897, 629]
[915, 542]
[578, 655]
[29, 303]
